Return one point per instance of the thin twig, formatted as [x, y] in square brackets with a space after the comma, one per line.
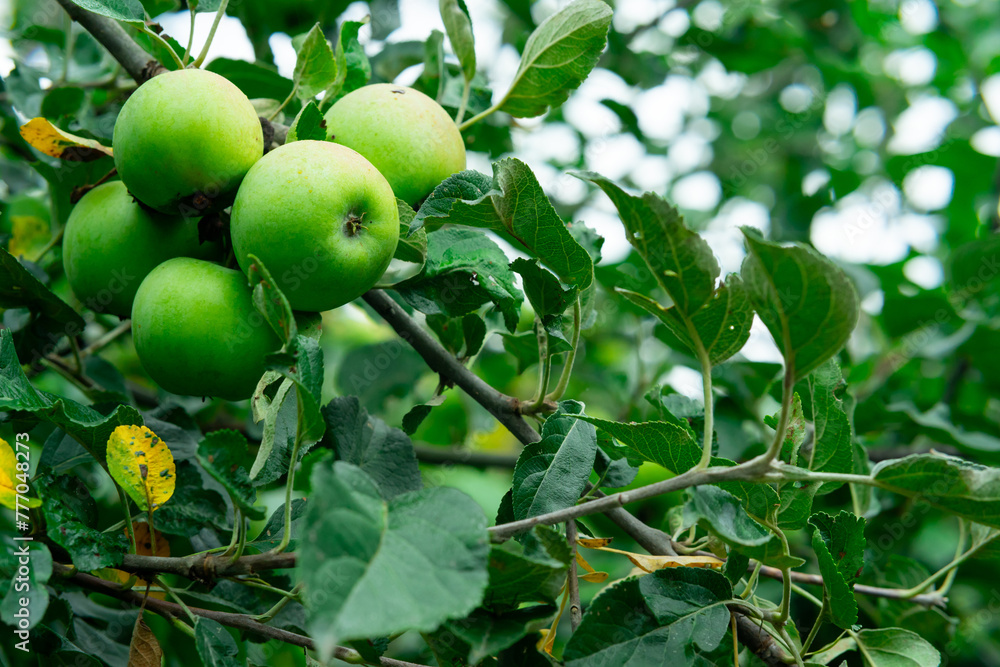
[683, 481]
[507, 409]
[206, 567]
[926, 599]
[573, 580]
[233, 620]
[211, 34]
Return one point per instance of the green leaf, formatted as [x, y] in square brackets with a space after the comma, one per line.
[679, 258]
[67, 524]
[268, 409]
[670, 617]
[612, 473]
[304, 366]
[38, 575]
[20, 289]
[486, 633]
[532, 569]
[474, 333]
[807, 303]
[412, 246]
[457, 22]
[839, 543]
[224, 455]
[547, 297]
[271, 534]
[463, 271]
[129, 11]
[723, 323]
[833, 449]
[216, 647]
[255, 80]
[315, 65]
[194, 505]
[353, 68]
[523, 347]
[896, 647]
[432, 78]
[372, 567]
[308, 125]
[669, 445]
[378, 371]
[557, 57]
[385, 453]
[936, 423]
[84, 424]
[270, 302]
[720, 512]
[948, 483]
[551, 474]
[61, 101]
[736, 566]
[512, 204]
[796, 501]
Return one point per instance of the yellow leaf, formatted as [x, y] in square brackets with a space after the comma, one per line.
[122, 577]
[548, 638]
[28, 234]
[9, 479]
[142, 464]
[143, 543]
[49, 139]
[652, 563]
[594, 542]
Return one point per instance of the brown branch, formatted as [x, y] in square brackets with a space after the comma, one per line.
[206, 567]
[683, 481]
[507, 409]
[752, 634]
[140, 65]
[233, 620]
[651, 539]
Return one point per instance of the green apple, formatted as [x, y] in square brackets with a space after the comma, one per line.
[322, 220]
[196, 330]
[111, 243]
[408, 136]
[184, 140]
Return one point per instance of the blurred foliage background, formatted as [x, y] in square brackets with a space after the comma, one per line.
[869, 129]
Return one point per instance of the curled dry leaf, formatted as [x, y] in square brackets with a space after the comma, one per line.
[649, 563]
[49, 139]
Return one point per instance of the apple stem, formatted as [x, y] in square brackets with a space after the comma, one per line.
[211, 34]
[190, 44]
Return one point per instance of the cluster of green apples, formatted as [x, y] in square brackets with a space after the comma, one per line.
[320, 215]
